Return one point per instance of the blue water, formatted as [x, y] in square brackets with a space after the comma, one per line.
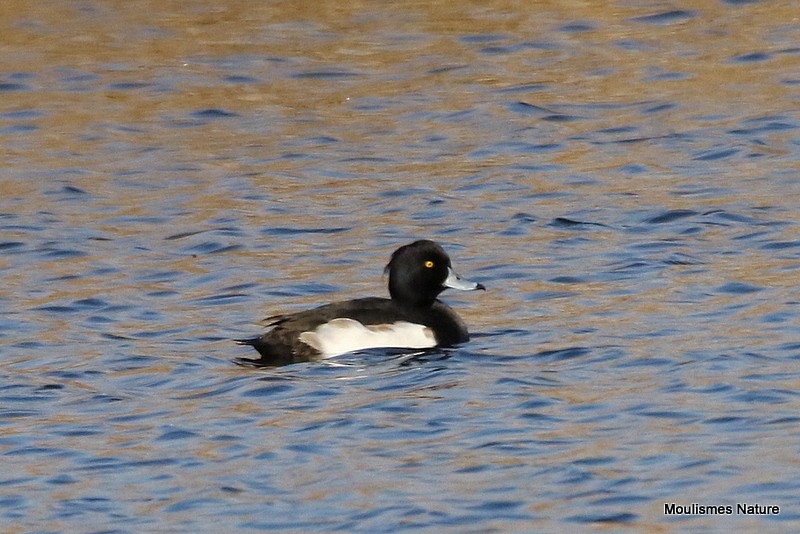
[625, 183]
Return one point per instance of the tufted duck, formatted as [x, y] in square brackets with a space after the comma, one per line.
[412, 318]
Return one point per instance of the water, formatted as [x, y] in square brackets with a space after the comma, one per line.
[622, 177]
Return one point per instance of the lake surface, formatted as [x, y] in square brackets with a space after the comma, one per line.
[623, 177]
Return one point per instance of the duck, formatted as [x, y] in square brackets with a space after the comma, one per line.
[411, 318]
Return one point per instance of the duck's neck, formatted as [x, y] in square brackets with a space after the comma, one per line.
[416, 301]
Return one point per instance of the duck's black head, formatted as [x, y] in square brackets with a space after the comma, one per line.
[418, 272]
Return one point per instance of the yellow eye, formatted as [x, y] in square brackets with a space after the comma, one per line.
[429, 264]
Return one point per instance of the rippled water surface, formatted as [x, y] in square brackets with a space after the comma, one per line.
[623, 177]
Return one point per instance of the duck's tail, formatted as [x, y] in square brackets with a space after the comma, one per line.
[269, 356]
[253, 341]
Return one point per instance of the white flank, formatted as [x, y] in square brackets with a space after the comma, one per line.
[341, 336]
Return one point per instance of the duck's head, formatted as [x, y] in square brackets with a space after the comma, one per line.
[419, 271]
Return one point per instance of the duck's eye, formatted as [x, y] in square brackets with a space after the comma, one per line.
[429, 264]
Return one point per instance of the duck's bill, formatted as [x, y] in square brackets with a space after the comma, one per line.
[456, 282]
